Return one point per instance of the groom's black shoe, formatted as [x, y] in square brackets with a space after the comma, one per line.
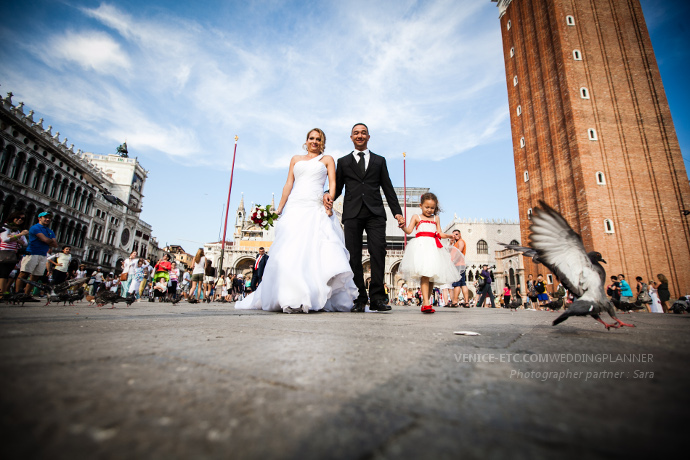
[358, 308]
[379, 305]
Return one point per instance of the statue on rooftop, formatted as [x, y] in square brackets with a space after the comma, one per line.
[122, 150]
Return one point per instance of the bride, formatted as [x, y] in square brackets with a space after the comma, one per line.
[309, 266]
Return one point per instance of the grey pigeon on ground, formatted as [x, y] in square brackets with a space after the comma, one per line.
[562, 251]
[627, 307]
[105, 297]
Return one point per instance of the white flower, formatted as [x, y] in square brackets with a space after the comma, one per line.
[264, 223]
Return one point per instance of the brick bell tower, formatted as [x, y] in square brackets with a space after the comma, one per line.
[593, 134]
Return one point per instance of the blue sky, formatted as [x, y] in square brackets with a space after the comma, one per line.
[179, 79]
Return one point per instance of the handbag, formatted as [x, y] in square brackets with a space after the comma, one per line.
[8, 256]
[123, 276]
[643, 296]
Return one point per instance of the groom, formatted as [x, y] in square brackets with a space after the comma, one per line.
[364, 174]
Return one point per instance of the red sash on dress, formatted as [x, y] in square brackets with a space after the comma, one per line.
[432, 235]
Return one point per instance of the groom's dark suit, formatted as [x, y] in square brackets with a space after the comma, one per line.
[363, 211]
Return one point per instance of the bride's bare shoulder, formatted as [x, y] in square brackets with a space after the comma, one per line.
[295, 159]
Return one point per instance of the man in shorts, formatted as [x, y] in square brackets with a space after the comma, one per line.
[41, 239]
[461, 284]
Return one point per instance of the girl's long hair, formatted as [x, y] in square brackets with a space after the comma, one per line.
[198, 256]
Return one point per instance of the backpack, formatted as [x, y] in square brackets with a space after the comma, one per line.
[560, 293]
[481, 282]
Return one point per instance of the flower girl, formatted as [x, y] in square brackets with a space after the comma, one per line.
[425, 257]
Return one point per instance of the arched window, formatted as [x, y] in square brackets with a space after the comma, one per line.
[592, 134]
[512, 52]
[515, 80]
[35, 183]
[482, 247]
[28, 170]
[515, 242]
[470, 276]
[525, 175]
[569, 20]
[601, 180]
[608, 226]
[529, 213]
[522, 142]
[17, 165]
[45, 188]
[577, 55]
[584, 93]
[519, 110]
[57, 182]
[508, 25]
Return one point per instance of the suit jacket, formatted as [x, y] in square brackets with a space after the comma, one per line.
[365, 190]
[258, 273]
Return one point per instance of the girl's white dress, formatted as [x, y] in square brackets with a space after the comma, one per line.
[309, 267]
[423, 257]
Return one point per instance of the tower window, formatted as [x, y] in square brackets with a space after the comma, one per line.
[519, 110]
[526, 176]
[529, 213]
[549, 278]
[512, 52]
[584, 93]
[592, 133]
[508, 25]
[570, 20]
[577, 55]
[522, 142]
[608, 226]
[482, 247]
[515, 80]
[601, 180]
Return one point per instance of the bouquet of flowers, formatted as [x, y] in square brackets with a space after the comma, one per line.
[263, 217]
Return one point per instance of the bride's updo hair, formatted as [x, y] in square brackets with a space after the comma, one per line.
[323, 139]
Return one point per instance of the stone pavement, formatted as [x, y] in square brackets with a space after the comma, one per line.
[207, 381]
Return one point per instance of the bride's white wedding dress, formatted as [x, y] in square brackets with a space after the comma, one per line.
[308, 268]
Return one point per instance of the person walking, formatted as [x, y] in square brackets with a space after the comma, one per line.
[61, 261]
[540, 287]
[425, 257]
[41, 239]
[209, 281]
[258, 269]
[625, 290]
[364, 175]
[129, 266]
[664, 294]
[506, 295]
[486, 290]
[461, 284]
[198, 268]
[137, 278]
[532, 292]
[12, 239]
[172, 284]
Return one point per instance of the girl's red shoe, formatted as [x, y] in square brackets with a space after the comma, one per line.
[427, 309]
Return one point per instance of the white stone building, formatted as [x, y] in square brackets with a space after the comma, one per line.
[95, 199]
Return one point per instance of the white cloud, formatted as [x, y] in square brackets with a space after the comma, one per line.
[92, 50]
[185, 88]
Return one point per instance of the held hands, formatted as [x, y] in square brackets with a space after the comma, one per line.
[401, 220]
[328, 202]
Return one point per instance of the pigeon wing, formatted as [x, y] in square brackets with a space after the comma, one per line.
[561, 250]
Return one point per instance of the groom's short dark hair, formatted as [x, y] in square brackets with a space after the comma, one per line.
[357, 124]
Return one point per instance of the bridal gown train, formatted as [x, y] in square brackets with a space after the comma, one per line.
[309, 267]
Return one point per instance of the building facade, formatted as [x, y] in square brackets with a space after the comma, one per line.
[96, 208]
[593, 135]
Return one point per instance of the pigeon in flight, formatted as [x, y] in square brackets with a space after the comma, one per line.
[561, 250]
[527, 252]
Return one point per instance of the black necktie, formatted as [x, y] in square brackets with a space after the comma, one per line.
[362, 167]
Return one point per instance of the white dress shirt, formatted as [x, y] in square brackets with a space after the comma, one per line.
[366, 157]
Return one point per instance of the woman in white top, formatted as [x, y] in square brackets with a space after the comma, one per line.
[130, 267]
[198, 267]
[11, 240]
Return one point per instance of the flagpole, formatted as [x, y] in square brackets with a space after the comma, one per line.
[227, 207]
[405, 193]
